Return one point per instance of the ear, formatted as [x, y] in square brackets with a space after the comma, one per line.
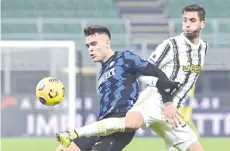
[108, 43]
[203, 24]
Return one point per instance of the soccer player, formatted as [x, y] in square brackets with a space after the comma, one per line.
[181, 58]
[118, 87]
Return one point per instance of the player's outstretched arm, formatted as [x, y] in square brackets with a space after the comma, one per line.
[142, 67]
[159, 57]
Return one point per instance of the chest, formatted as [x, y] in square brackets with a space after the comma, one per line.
[111, 74]
[186, 55]
[187, 60]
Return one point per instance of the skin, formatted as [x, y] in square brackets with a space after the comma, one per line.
[99, 47]
[72, 147]
[192, 26]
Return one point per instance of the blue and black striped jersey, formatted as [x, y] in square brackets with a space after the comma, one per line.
[118, 85]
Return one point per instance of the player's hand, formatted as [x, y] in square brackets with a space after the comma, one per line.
[166, 87]
[66, 137]
[172, 115]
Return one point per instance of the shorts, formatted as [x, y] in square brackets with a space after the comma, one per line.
[150, 105]
[113, 142]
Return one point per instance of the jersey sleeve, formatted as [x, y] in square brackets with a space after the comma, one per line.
[160, 55]
[138, 66]
[134, 62]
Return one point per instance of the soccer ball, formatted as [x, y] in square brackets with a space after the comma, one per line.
[50, 91]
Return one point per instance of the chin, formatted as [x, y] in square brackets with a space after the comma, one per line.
[96, 60]
[190, 36]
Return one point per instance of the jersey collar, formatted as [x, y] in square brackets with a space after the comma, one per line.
[109, 59]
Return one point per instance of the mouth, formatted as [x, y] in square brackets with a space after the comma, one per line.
[188, 31]
[92, 56]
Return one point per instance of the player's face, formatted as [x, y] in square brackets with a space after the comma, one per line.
[192, 25]
[97, 45]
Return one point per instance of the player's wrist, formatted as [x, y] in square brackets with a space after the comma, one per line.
[163, 83]
[167, 99]
[168, 103]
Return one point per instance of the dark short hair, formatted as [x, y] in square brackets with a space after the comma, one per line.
[195, 8]
[93, 29]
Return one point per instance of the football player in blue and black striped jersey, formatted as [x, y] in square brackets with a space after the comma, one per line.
[118, 87]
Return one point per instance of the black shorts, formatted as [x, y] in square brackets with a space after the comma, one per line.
[113, 142]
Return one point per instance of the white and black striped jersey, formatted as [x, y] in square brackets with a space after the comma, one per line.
[181, 61]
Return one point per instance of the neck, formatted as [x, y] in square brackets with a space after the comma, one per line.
[195, 41]
[110, 54]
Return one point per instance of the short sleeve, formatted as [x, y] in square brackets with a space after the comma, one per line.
[160, 53]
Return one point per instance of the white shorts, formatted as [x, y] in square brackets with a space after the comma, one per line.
[150, 105]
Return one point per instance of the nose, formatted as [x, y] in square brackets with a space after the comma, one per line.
[90, 49]
[187, 24]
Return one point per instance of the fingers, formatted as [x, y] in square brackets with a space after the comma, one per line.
[179, 120]
[173, 116]
[174, 121]
[178, 112]
[168, 120]
[180, 117]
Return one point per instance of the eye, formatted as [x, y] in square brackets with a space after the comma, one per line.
[94, 43]
[193, 20]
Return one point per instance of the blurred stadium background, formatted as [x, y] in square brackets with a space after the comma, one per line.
[138, 25]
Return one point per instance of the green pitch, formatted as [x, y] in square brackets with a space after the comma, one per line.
[138, 144]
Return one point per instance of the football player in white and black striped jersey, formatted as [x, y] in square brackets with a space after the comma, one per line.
[181, 58]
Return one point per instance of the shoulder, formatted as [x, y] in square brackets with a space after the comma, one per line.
[166, 44]
[126, 53]
[172, 41]
[123, 52]
[177, 40]
[204, 43]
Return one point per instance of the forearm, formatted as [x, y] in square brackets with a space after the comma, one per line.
[161, 81]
